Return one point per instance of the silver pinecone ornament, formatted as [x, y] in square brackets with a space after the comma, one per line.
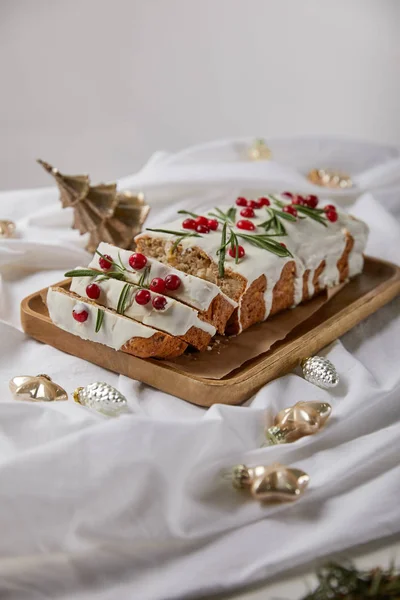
[102, 397]
[320, 371]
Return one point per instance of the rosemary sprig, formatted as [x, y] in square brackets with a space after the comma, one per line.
[181, 235]
[123, 299]
[99, 319]
[187, 212]
[221, 252]
[92, 273]
[142, 280]
[284, 215]
[337, 581]
[228, 217]
[170, 231]
[266, 243]
[313, 213]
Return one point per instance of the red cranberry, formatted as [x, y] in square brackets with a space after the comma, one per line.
[159, 302]
[80, 315]
[157, 285]
[137, 261]
[299, 200]
[201, 221]
[329, 207]
[287, 195]
[172, 282]
[243, 224]
[143, 297]
[251, 203]
[290, 210]
[331, 215]
[248, 212]
[240, 251]
[93, 291]
[311, 201]
[202, 228]
[263, 202]
[105, 262]
[213, 224]
[241, 201]
[189, 224]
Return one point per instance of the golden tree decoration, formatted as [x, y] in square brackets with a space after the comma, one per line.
[101, 210]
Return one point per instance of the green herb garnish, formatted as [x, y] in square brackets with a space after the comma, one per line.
[123, 299]
[93, 273]
[317, 214]
[221, 252]
[228, 217]
[313, 213]
[187, 212]
[181, 235]
[99, 320]
[266, 243]
[142, 281]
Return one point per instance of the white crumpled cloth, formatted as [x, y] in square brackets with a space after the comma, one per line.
[137, 506]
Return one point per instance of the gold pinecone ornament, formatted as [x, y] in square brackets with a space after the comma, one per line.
[100, 210]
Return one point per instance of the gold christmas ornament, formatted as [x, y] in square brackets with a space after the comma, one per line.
[36, 389]
[100, 210]
[259, 150]
[7, 228]
[329, 178]
[273, 483]
[304, 418]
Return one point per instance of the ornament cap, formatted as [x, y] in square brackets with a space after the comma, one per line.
[240, 477]
[77, 395]
[275, 435]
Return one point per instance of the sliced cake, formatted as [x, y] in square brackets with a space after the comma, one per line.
[212, 304]
[91, 322]
[144, 305]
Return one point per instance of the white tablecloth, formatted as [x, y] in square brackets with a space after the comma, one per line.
[137, 507]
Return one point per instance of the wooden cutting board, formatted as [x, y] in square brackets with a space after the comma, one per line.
[377, 285]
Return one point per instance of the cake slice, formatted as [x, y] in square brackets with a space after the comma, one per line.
[213, 306]
[91, 322]
[145, 306]
[267, 255]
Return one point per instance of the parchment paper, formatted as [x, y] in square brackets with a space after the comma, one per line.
[226, 354]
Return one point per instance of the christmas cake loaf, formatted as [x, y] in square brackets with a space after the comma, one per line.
[213, 305]
[148, 305]
[267, 255]
[91, 322]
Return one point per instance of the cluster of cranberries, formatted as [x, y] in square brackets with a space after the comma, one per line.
[138, 261]
[309, 201]
[158, 285]
[200, 224]
[248, 211]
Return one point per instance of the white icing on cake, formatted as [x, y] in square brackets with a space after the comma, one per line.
[115, 331]
[175, 318]
[193, 291]
[309, 242]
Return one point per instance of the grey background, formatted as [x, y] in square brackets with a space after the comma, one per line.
[97, 86]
